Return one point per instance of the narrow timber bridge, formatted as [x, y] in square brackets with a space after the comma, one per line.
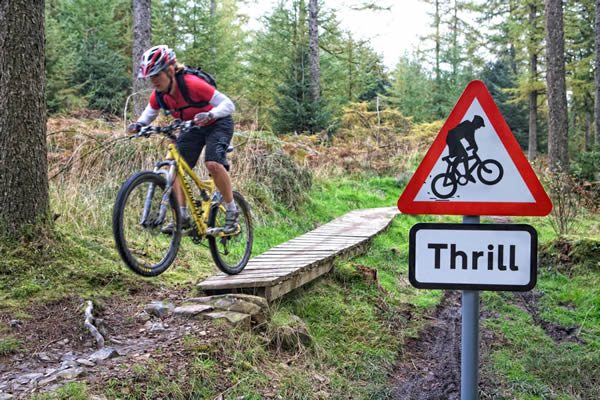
[303, 259]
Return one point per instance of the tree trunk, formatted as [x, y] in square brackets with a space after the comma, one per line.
[438, 40]
[23, 152]
[213, 36]
[533, 94]
[313, 38]
[512, 50]
[588, 131]
[558, 155]
[532, 146]
[141, 42]
[587, 145]
[455, 50]
[350, 69]
[597, 74]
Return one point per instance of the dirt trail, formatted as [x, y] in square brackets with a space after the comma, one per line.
[431, 363]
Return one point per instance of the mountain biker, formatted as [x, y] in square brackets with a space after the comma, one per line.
[213, 125]
[464, 130]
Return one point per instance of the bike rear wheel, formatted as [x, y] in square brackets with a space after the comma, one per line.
[444, 186]
[231, 253]
[140, 243]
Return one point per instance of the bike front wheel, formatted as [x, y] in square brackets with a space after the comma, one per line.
[137, 226]
[490, 172]
[444, 186]
[231, 252]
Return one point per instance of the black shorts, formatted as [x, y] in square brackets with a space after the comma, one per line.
[456, 149]
[215, 137]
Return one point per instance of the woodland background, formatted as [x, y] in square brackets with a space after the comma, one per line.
[323, 128]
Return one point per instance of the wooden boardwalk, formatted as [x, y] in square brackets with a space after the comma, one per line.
[299, 261]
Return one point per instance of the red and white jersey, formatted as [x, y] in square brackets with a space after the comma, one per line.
[199, 91]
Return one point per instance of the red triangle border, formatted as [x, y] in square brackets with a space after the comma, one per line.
[542, 205]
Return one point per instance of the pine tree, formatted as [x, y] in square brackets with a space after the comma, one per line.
[579, 58]
[313, 34]
[95, 48]
[269, 58]
[296, 110]
[558, 156]
[411, 89]
[23, 191]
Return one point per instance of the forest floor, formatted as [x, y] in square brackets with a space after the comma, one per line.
[53, 341]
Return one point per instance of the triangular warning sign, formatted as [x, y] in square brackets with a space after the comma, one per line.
[475, 166]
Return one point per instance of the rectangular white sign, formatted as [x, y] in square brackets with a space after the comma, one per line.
[473, 256]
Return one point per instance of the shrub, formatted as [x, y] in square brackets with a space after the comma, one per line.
[562, 189]
[586, 165]
[271, 171]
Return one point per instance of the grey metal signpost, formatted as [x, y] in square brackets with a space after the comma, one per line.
[472, 257]
[469, 346]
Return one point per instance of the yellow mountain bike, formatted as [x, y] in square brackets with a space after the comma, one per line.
[146, 203]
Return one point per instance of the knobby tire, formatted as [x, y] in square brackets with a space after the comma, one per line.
[121, 233]
[241, 244]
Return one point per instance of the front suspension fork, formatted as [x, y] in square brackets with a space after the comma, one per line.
[165, 200]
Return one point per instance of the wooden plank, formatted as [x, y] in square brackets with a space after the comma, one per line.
[276, 291]
[273, 271]
[315, 239]
[257, 275]
[303, 250]
[284, 263]
[240, 283]
[308, 241]
[328, 238]
[283, 260]
[264, 278]
[289, 256]
[255, 272]
[313, 243]
[250, 267]
[294, 263]
[317, 234]
[319, 249]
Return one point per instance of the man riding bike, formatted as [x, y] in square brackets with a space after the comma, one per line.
[211, 115]
[464, 130]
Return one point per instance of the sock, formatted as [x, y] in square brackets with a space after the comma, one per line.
[183, 211]
[230, 206]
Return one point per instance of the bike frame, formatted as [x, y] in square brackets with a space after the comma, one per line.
[453, 166]
[178, 167]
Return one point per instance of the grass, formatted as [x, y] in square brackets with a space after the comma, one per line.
[535, 363]
[10, 346]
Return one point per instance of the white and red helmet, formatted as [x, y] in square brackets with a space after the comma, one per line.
[155, 60]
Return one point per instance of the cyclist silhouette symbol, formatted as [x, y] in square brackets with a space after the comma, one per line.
[489, 171]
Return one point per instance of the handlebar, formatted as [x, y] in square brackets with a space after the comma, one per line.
[166, 130]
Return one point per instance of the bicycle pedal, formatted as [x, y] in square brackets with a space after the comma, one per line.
[214, 232]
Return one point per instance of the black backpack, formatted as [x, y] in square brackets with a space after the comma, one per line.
[208, 78]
